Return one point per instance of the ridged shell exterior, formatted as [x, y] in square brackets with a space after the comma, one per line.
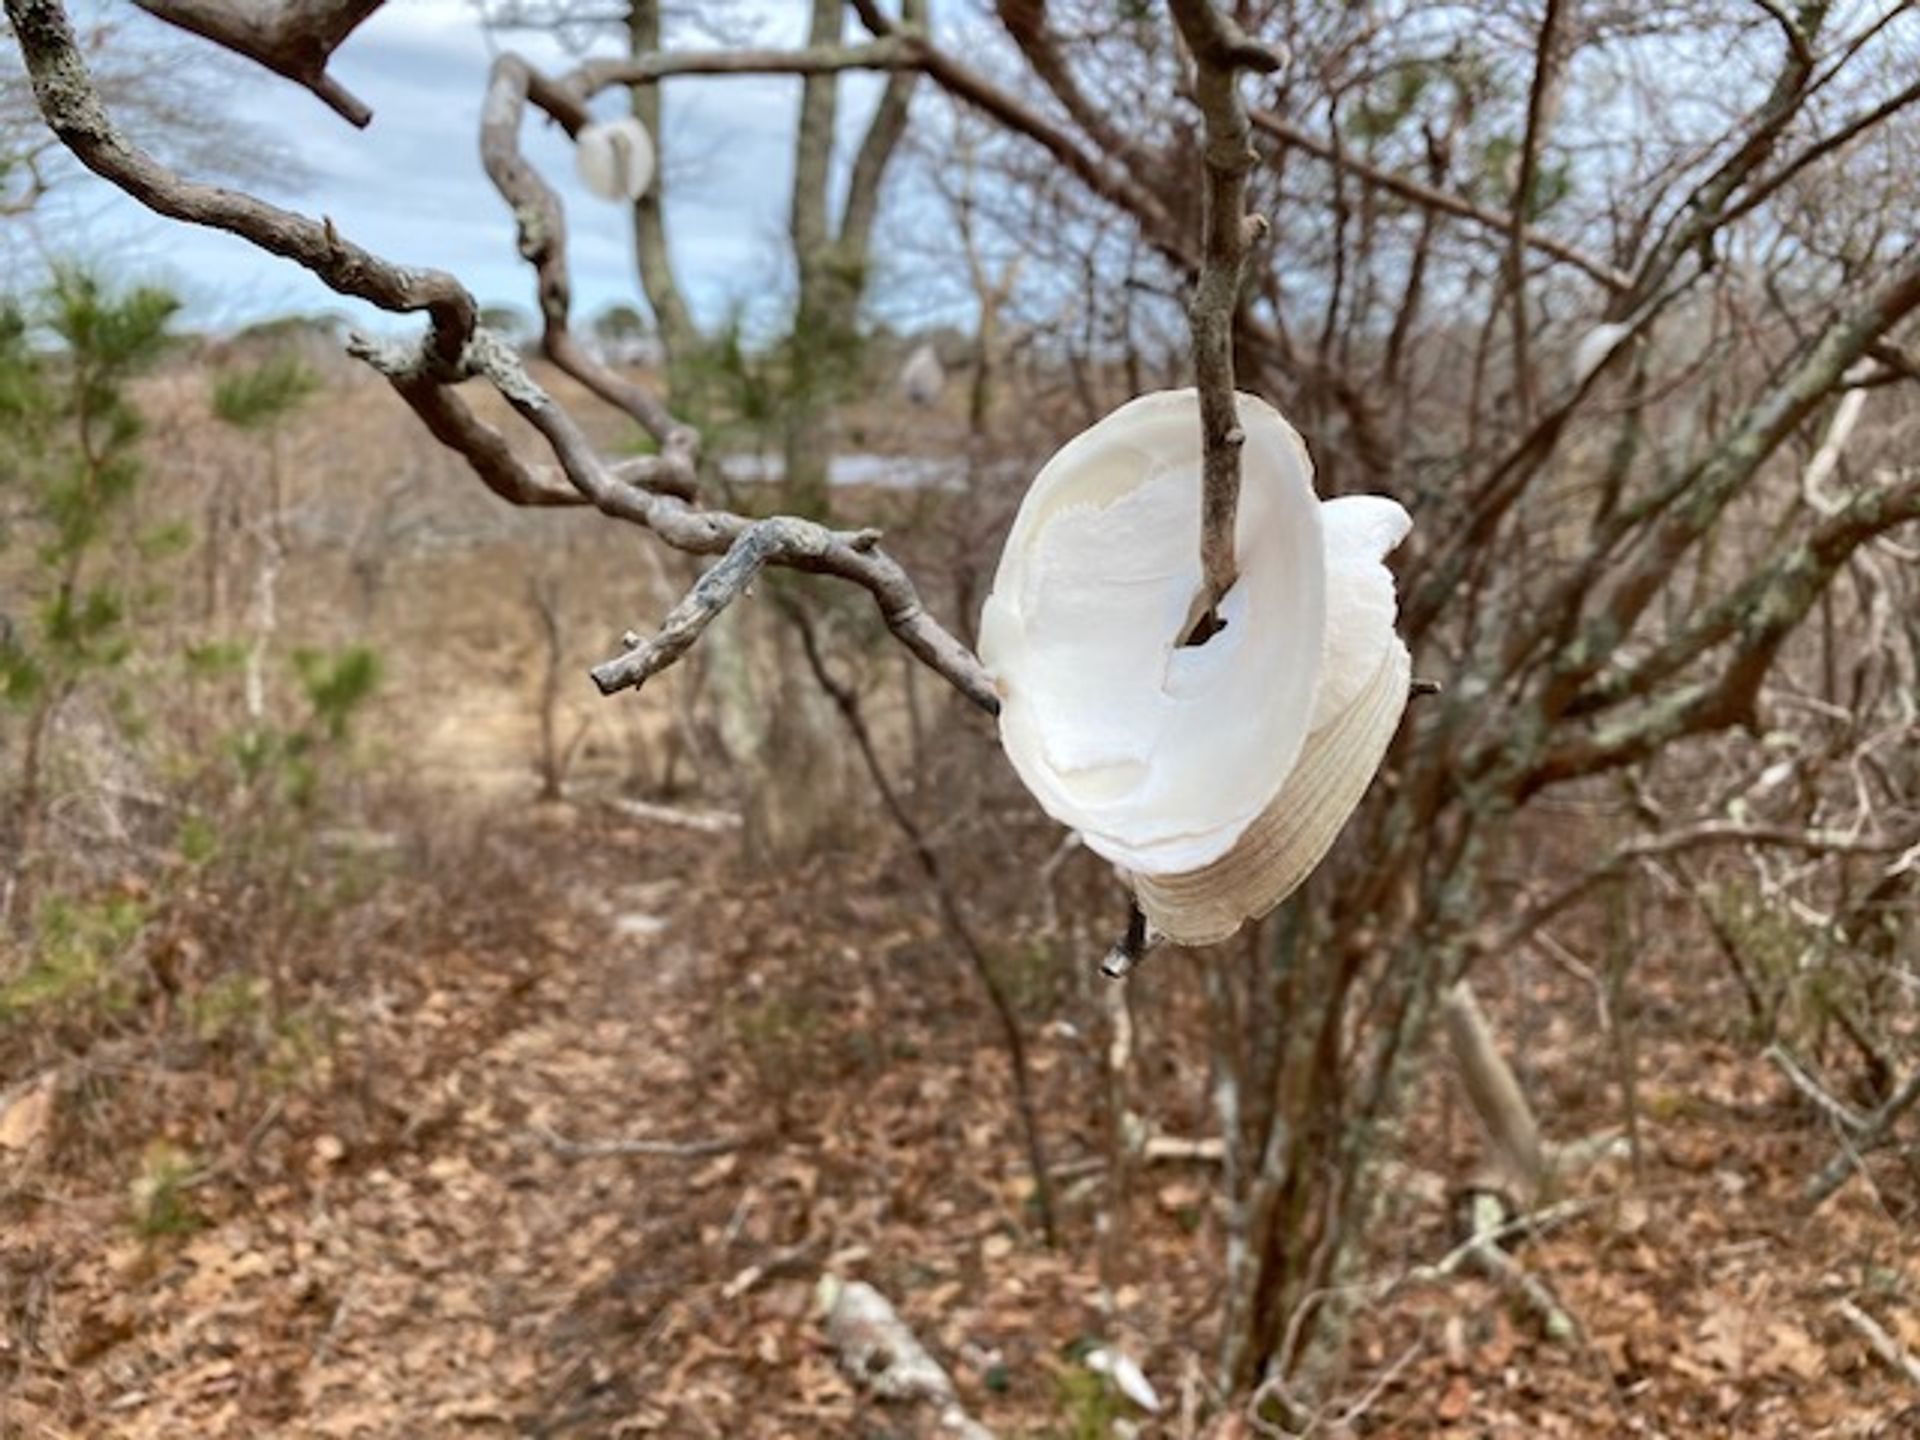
[1293, 834]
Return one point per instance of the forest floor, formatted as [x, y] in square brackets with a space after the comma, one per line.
[417, 1237]
[365, 1170]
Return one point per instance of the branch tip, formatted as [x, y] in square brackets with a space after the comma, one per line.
[1130, 949]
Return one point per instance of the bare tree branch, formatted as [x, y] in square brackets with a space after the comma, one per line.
[1692, 225]
[645, 492]
[792, 542]
[71, 106]
[1692, 837]
[1431, 197]
[1539, 106]
[1220, 52]
[292, 38]
[1801, 569]
[543, 243]
[1873, 1131]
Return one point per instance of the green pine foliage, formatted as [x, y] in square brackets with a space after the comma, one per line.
[260, 397]
[68, 470]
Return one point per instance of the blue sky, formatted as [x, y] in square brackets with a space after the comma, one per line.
[410, 186]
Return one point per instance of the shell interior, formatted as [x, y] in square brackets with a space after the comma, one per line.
[1159, 753]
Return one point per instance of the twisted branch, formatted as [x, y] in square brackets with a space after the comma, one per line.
[650, 492]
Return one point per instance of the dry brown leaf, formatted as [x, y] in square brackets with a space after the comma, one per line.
[1180, 1195]
[25, 1119]
[1792, 1350]
[1456, 1400]
[1723, 1340]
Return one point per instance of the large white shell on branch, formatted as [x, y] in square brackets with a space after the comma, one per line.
[615, 158]
[1217, 775]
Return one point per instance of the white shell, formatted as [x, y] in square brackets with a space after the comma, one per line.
[615, 158]
[1126, 1373]
[923, 377]
[1594, 349]
[1216, 775]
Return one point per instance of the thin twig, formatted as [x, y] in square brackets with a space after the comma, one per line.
[1539, 107]
[1692, 837]
[1827, 1104]
[1430, 197]
[1890, 1351]
[1131, 948]
[1872, 1133]
[847, 702]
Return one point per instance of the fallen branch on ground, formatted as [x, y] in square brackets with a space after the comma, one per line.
[1159, 1150]
[1890, 1351]
[1872, 1133]
[877, 1349]
[1829, 1105]
[665, 1149]
[708, 822]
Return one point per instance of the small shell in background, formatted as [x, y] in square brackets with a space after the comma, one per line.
[923, 377]
[1594, 349]
[615, 158]
[1216, 776]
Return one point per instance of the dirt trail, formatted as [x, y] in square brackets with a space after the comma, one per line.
[413, 1251]
[422, 1281]
[454, 1261]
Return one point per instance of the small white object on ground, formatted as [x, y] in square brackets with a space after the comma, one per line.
[1126, 1373]
[878, 1350]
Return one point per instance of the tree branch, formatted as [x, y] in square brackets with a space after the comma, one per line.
[1539, 106]
[71, 106]
[1873, 1131]
[645, 491]
[1692, 837]
[1431, 197]
[1803, 570]
[1220, 52]
[293, 38]
[542, 229]
[909, 49]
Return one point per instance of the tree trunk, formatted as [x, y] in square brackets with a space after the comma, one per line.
[679, 335]
[792, 772]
